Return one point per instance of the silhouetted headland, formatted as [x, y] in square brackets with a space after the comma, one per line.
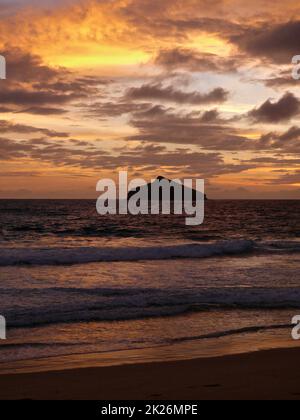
[172, 190]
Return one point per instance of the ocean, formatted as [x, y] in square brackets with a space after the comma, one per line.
[76, 283]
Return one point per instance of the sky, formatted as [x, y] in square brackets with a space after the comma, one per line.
[177, 88]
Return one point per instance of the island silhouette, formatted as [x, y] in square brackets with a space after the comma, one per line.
[172, 190]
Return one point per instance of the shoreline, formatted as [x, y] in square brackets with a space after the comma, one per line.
[266, 374]
[213, 347]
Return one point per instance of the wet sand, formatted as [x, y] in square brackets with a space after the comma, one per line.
[271, 375]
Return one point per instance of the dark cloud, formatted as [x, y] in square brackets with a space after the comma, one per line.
[207, 130]
[5, 109]
[211, 116]
[152, 112]
[214, 25]
[143, 156]
[42, 89]
[158, 92]
[22, 174]
[289, 178]
[70, 85]
[196, 61]
[292, 134]
[26, 68]
[284, 109]
[197, 163]
[274, 161]
[293, 178]
[11, 127]
[23, 96]
[282, 79]
[289, 141]
[173, 20]
[10, 149]
[42, 110]
[278, 42]
[113, 109]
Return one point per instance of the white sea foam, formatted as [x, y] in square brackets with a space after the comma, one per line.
[67, 305]
[83, 255]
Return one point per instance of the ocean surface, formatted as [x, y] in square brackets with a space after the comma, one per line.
[73, 282]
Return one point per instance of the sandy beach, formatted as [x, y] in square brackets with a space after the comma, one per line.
[269, 375]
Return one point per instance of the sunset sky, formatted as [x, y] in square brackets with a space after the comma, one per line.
[179, 88]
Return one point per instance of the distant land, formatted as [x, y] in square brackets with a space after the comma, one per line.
[158, 179]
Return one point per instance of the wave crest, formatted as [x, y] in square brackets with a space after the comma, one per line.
[71, 305]
[84, 255]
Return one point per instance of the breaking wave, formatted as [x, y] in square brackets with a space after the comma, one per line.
[84, 255]
[70, 305]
